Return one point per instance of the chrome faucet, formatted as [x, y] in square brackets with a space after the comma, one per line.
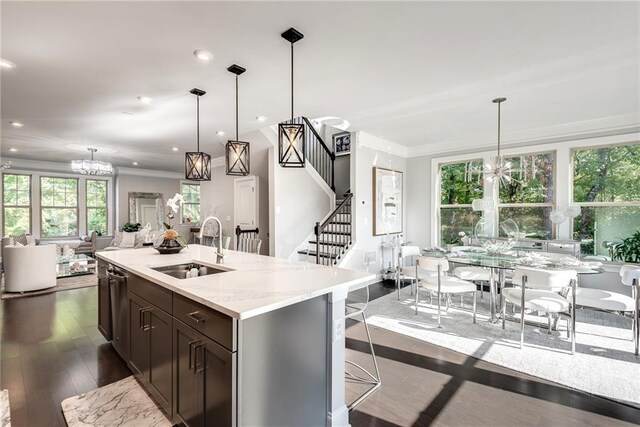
[219, 248]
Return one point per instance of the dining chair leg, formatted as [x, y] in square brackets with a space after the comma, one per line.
[574, 284]
[549, 323]
[522, 290]
[446, 303]
[417, 285]
[398, 285]
[411, 286]
[504, 313]
[568, 329]
[439, 304]
[475, 296]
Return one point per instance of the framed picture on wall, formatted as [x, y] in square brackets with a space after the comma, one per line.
[342, 143]
[388, 202]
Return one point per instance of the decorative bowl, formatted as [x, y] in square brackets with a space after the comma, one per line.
[169, 247]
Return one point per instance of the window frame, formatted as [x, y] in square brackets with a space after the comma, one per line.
[30, 206]
[572, 171]
[87, 207]
[77, 207]
[182, 184]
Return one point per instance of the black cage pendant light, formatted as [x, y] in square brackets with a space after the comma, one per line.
[197, 165]
[291, 135]
[237, 152]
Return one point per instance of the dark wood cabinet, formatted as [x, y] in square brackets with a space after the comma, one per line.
[104, 307]
[151, 349]
[204, 373]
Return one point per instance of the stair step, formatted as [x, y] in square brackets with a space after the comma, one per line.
[328, 243]
[341, 233]
[313, 254]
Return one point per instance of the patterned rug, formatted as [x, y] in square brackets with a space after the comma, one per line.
[62, 284]
[123, 403]
[604, 363]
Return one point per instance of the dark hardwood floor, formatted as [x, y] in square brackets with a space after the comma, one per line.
[51, 349]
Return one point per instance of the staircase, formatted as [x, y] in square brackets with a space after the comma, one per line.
[333, 237]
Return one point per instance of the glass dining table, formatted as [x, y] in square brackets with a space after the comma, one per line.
[500, 264]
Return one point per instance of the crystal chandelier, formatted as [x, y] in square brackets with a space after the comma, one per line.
[91, 167]
[498, 169]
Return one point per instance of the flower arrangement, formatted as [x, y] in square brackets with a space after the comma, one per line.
[171, 236]
[454, 239]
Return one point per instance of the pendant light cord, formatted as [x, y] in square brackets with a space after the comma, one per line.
[292, 82]
[499, 129]
[236, 107]
[198, 122]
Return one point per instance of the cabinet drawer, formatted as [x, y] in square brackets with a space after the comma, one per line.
[213, 324]
[155, 294]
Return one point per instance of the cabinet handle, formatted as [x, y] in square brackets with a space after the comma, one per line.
[191, 364]
[141, 322]
[196, 316]
[198, 367]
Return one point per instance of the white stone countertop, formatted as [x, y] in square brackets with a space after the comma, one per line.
[253, 284]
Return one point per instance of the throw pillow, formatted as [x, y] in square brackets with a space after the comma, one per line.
[128, 239]
[20, 238]
[18, 244]
[87, 238]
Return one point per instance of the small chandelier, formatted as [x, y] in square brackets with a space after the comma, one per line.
[237, 152]
[291, 135]
[197, 165]
[91, 167]
[498, 169]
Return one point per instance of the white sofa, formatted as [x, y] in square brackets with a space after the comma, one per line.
[29, 268]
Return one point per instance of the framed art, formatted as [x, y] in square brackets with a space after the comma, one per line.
[342, 143]
[387, 201]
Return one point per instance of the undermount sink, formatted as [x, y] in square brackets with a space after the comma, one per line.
[180, 271]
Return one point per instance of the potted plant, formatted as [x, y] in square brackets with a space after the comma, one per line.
[627, 250]
[130, 227]
[172, 242]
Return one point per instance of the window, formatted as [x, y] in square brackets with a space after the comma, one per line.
[191, 204]
[16, 202]
[606, 184]
[529, 197]
[460, 184]
[96, 205]
[58, 206]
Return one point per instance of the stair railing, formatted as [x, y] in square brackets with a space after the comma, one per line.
[337, 233]
[317, 152]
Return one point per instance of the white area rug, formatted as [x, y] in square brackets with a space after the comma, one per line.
[62, 284]
[604, 363]
[123, 403]
[5, 413]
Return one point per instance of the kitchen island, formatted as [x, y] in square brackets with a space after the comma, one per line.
[253, 340]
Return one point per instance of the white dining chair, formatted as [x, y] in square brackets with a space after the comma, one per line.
[403, 271]
[616, 302]
[538, 290]
[474, 274]
[440, 283]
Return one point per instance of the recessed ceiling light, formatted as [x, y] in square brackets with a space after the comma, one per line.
[134, 163]
[261, 118]
[220, 133]
[175, 149]
[145, 99]
[128, 113]
[13, 149]
[203, 55]
[4, 63]
[16, 124]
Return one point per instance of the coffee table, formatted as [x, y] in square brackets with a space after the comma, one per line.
[76, 265]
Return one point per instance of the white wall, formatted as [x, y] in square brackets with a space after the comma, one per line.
[216, 196]
[418, 182]
[367, 152]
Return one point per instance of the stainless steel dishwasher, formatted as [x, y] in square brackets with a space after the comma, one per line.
[119, 310]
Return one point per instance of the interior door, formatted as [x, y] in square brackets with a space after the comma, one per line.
[245, 202]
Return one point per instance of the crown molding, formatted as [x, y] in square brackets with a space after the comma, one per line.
[37, 165]
[608, 126]
[370, 141]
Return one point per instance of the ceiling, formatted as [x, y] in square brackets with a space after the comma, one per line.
[419, 74]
